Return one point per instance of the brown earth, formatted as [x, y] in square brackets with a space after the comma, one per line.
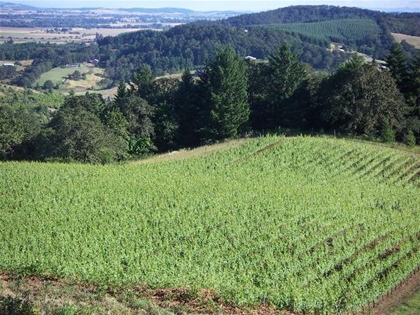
[47, 293]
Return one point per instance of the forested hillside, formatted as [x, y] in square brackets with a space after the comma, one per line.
[259, 35]
[308, 30]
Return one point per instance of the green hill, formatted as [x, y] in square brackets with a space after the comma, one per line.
[304, 224]
[309, 30]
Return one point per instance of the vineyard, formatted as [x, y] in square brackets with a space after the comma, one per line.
[304, 224]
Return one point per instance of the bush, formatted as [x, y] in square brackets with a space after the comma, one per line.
[410, 139]
[387, 133]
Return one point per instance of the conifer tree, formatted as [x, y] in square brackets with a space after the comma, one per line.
[398, 65]
[187, 110]
[281, 77]
[225, 81]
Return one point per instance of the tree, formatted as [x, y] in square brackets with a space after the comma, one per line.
[16, 127]
[76, 75]
[48, 85]
[142, 82]
[279, 79]
[77, 134]
[187, 111]
[397, 62]
[225, 84]
[138, 121]
[122, 91]
[414, 86]
[413, 98]
[362, 101]
[92, 102]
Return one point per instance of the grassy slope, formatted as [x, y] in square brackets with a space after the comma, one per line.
[83, 221]
[413, 40]
[59, 75]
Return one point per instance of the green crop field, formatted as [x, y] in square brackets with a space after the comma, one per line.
[304, 224]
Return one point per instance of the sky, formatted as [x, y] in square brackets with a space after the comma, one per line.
[221, 5]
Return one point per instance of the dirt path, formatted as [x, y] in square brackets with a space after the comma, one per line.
[58, 292]
[397, 297]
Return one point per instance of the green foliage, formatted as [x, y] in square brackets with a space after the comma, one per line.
[274, 85]
[48, 85]
[398, 65]
[355, 63]
[16, 127]
[226, 84]
[360, 101]
[266, 220]
[78, 134]
[410, 139]
[387, 133]
[360, 32]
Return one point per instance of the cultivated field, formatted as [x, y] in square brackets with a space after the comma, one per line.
[36, 34]
[413, 40]
[302, 224]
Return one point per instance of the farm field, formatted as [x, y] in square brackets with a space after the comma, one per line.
[37, 34]
[300, 224]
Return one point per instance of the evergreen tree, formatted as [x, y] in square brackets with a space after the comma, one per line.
[142, 82]
[226, 83]
[414, 88]
[122, 91]
[413, 98]
[280, 78]
[398, 65]
[187, 111]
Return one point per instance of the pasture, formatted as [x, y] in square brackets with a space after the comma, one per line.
[413, 40]
[61, 75]
[300, 224]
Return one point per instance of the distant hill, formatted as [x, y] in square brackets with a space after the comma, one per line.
[158, 10]
[406, 23]
[16, 7]
[310, 31]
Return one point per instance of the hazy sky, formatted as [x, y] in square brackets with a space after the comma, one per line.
[238, 5]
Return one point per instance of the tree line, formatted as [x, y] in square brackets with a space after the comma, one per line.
[228, 98]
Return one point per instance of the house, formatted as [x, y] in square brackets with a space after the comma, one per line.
[250, 58]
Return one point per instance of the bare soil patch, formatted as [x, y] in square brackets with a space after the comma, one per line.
[401, 294]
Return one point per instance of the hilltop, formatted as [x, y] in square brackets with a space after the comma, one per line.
[8, 6]
[309, 30]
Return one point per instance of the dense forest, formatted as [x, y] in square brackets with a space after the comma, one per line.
[229, 97]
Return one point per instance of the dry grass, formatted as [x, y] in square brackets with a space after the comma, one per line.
[413, 40]
[93, 77]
